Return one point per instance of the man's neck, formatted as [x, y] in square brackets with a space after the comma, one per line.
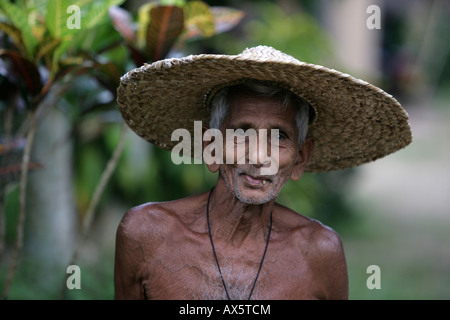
[233, 221]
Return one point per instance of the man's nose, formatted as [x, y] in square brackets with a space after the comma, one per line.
[259, 153]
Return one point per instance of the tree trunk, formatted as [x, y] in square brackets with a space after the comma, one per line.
[51, 223]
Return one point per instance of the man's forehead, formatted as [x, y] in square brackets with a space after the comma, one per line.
[250, 109]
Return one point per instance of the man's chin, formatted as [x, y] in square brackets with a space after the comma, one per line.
[254, 196]
[249, 190]
[252, 201]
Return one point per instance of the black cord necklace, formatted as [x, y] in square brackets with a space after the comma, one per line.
[215, 255]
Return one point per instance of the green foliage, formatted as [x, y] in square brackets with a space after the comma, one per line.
[98, 11]
[45, 23]
[21, 21]
[56, 19]
[39, 30]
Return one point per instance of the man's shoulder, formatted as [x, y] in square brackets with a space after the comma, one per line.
[315, 233]
[157, 217]
[139, 221]
[319, 247]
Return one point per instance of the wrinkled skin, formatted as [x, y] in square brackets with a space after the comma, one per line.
[163, 250]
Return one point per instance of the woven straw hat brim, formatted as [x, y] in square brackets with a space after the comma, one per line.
[355, 122]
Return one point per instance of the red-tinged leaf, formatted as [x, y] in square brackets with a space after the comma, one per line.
[166, 24]
[26, 69]
[123, 23]
[107, 75]
[136, 55]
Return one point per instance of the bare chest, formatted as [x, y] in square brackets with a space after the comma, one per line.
[189, 270]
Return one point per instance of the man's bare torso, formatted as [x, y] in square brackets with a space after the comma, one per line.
[165, 253]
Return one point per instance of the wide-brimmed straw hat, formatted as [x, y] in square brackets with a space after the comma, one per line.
[355, 122]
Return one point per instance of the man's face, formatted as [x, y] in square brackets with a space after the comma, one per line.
[245, 180]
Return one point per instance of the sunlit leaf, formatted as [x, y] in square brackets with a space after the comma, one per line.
[166, 24]
[92, 13]
[123, 23]
[226, 18]
[56, 18]
[178, 3]
[19, 18]
[199, 21]
[98, 11]
[143, 22]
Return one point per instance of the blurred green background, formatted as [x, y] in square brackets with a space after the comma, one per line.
[57, 105]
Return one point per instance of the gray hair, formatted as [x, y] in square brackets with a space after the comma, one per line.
[220, 104]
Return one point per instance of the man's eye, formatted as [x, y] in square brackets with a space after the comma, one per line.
[282, 135]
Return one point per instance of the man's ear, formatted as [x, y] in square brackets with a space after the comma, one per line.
[213, 167]
[304, 154]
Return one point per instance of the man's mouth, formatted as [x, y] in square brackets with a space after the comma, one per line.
[257, 181]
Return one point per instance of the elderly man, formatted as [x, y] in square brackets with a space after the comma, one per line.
[235, 241]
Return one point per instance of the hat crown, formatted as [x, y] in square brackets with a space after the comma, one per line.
[267, 53]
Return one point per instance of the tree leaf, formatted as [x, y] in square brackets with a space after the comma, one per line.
[166, 24]
[25, 69]
[199, 20]
[92, 13]
[19, 18]
[107, 75]
[46, 47]
[226, 18]
[16, 36]
[56, 17]
[136, 55]
[123, 23]
[57, 54]
[56, 21]
[98, 11]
